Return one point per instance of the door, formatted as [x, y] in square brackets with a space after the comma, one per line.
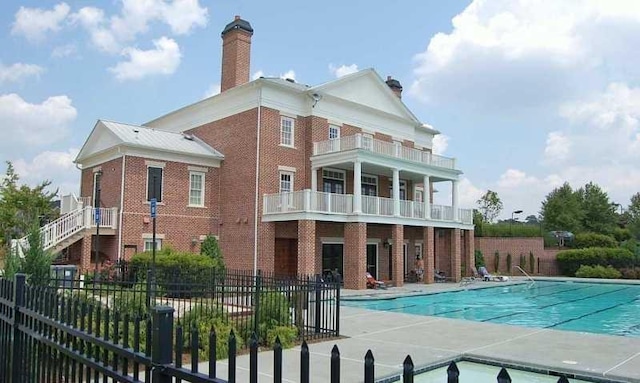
[333, 186]
[332, 259]
[286, 256]
[372, 259]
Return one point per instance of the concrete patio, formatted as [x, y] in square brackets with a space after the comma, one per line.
[391, 336]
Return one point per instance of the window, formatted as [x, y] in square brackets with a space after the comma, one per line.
[148, 244]
[286, 131]
[286, 182]
[334, 132]
[403, 189]
[333, 181]
[369, 185]
[97, 177]
[196, 189]
[154, 183]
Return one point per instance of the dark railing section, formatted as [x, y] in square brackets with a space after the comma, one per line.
[48, 335]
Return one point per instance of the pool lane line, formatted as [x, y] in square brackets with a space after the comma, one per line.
[629, 329]
[591, 313]
[559, 292]
[555, 304]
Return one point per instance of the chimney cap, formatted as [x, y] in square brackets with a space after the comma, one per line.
[238, 23]
[393, 83]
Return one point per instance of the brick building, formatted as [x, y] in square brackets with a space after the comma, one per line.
[289, 177]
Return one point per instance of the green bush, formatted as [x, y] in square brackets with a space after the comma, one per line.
[287, 334]
[178, 274]
[272, 312]
[621, 234]
[570, 261]
[131, 301]
[586, 240]
[496, 261]
[509, 230]
[203, 319]
[211, 249]
[597, 272]
[479, 257]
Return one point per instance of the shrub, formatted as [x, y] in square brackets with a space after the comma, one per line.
[509, 263]
[523, 261]
[621, 234]
[479, 257]
[203, 319]
[507, 230]
[597, 272]
[586, 240]
[131, 301]
[496, 261]
[570, 261]
[272, 312]
[630, 273]
[211, 249]
[287, 334]
[532, 262]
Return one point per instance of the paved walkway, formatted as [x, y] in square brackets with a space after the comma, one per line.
[391, 336]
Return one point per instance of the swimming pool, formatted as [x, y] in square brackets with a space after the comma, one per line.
[612, 309]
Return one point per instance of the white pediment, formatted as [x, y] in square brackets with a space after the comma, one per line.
[368, 89]
[100, 139]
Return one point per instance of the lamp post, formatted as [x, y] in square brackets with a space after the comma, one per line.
[511, 222]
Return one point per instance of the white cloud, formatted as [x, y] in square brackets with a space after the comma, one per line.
[19, 71]
[521, 53]
[35, 23]
[514, 178]
[289, 74]
[67, 50]
[343, 70]
[468, 194]
[25, 125]
[164, 59]
[111, 33]
[55, 166]
[212, 90]
[257, 74]
[557, 149]
[440, 143]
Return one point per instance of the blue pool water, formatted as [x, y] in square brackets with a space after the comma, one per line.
[612, 309]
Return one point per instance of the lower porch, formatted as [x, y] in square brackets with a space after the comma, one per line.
[390, 252]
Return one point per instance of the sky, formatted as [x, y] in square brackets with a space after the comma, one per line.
[527, 94]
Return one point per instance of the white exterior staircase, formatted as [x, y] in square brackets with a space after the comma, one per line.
[71, 226]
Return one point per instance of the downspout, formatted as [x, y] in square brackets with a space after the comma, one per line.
[121, 209]
[257, 197]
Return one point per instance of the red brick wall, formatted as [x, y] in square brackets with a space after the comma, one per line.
[236, 54]
[110, 182]
[517, 246]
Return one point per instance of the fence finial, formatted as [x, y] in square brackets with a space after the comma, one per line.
[369, 366]
[453, 373]
[407, 370]
[503, 376]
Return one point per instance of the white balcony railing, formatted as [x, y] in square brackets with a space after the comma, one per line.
[390, 149]
[306, 201]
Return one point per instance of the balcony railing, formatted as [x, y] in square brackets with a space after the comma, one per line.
[364, 142]
[306, 201]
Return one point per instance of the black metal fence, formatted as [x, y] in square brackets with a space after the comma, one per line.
[49, 336]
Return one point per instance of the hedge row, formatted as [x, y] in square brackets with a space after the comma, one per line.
[570, 261]
[586, 240]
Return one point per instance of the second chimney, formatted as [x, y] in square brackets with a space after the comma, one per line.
[236, 53]
[395, 86]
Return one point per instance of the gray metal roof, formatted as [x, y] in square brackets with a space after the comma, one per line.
[238, 23]
[141, 136]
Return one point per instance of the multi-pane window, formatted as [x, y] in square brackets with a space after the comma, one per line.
[286, 182]
[286, 131]
[148, 244]
[369, 185]
[154, 183]
[334, 132]
[333, 181]
[196, 189]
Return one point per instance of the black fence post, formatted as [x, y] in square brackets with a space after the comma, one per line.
[338, 308]
[256, 303]
[407, 370]
[253, 359]
[232, 357]
[318, 307]
[369, 367]
[304, 362]
[335, 364]
[148, 297]
[162, 347]
[563, 379]
[277, 361]
[16, 354]
[453, 373]
[503, 376]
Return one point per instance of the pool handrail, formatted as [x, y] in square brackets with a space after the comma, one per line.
[533, 282]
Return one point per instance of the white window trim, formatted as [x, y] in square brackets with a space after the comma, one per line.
[280, 174]
[344, 174]
[337, 129]
[155, 164]
[293, 130]
[150, 236]
[159, 242]
[377, 182]
[198, 169]
[146, 198]
[201, 174]
[289, 169]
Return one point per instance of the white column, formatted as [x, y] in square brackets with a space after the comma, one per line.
[314, 179]
[454, 198]
[396, 192]
[357, 187]
[426, 196]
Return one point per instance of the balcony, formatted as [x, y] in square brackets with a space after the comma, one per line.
[389, 149]
[283, 206]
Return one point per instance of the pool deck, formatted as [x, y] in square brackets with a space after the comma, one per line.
[391, 336]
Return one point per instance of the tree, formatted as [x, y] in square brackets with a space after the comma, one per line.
[490, 206]
[633, 212]
[211, 249]
[599, 214]
[37, 261]
[21, 205]
[562, 210]
[532, 220]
